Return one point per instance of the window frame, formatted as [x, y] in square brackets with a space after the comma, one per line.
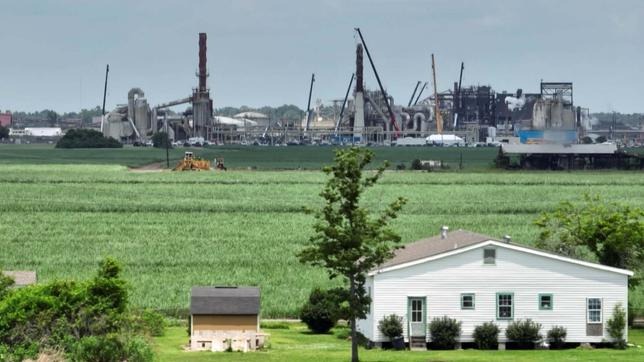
[601, 311]
[419, 311]
[493, 259]
[552, 301]
[473, 301]
[511, 294]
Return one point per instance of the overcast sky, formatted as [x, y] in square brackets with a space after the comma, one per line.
[260, 52]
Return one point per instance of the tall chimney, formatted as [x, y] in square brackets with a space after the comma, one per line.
[203, 73]
[359, 69]
[444, 230]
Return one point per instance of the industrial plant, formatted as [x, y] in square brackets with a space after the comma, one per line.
[544, 128]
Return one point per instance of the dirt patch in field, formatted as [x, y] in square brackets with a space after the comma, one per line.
[152, 167]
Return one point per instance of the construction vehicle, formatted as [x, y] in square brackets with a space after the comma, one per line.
[220, 164]
[192, 163]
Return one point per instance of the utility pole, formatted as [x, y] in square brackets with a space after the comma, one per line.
[167, 139]
[107, 70]
[437, 113]
[308, 105]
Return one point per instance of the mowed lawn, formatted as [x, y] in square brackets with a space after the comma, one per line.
[173, 230]
[297, 344]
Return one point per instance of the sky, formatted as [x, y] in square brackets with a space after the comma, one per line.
[262, 52]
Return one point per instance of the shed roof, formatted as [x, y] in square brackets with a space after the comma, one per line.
[21, 277]
[435, 245]
[224, 300]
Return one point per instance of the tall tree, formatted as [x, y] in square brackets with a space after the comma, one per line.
[610, 233]
[349, 241]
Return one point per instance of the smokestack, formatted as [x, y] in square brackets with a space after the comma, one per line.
[444, 230]
[359, 81]
[202, 62]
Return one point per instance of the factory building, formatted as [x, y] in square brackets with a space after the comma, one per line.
[138, 120]
[5, 119]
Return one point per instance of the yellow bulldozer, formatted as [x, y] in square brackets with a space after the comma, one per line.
[192, 163]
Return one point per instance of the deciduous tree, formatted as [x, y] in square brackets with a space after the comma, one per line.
[348, 240]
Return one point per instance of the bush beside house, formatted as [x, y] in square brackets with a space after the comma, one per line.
[323, 309]
[391, 326]
[557, 337]
[525, 333]
[444, 332]
[486, 336]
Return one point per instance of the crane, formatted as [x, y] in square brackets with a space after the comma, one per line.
[437, 112]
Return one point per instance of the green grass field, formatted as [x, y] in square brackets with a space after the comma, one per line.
[176, 230]
[242, 157]
[297, 344]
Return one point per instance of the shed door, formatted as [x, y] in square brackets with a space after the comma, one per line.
[416, 316]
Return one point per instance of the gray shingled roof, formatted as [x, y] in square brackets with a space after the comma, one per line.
[435, 245]
[21, 278]
[224, 300]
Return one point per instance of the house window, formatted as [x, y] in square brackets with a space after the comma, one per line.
[545, 301]
[467, 301]
[489, 256]
[416, 310]
[504, 305]
[594, 310]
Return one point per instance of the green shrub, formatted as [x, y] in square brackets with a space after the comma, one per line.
[616, 325]
[416, 164]
[323, 309]
[391, 326]
[112, 348]
[445, 332]
[87, 138]
[138, 349]
[557, 337]
[6, 282]
[80, 318]
[160, 140]
[486, 336]
[524, 332]
[150, 322]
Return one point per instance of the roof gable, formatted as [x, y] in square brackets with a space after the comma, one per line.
[420, 253]
[435, 245]
[225, 300]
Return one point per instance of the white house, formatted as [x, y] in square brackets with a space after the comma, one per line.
[475, 279]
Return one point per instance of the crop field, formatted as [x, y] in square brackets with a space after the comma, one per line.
[243, 157]
[173, 231]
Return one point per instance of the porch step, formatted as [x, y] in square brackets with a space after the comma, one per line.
[417, 344]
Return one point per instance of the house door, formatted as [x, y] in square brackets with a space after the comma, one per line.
[416, 315]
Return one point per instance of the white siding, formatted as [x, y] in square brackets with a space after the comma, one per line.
[365, 326]
[526, 275]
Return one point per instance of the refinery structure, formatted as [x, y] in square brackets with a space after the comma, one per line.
[530, 125]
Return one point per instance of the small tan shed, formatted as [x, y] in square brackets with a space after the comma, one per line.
[222, 310]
